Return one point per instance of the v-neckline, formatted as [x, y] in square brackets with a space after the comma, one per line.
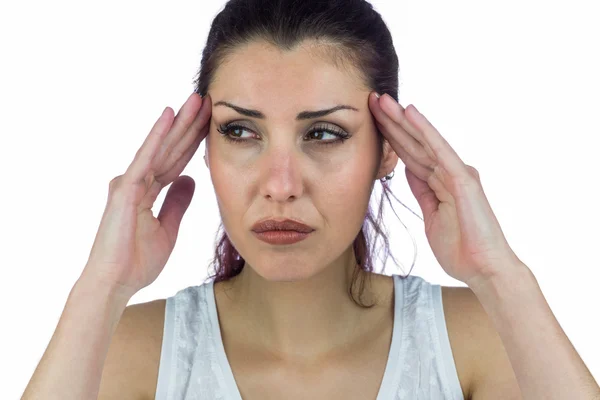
[390, 377]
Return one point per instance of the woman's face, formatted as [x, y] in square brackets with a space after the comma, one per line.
[281, 170]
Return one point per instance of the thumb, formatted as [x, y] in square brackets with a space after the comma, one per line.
[425, 196]
[176, 203]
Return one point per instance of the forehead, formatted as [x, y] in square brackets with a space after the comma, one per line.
[281, 82]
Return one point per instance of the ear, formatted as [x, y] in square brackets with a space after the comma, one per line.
[389, 160]
[206, 152]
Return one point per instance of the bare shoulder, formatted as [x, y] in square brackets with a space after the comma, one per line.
[148, 321]
[133, 359]
[457, 311]
[483, 367]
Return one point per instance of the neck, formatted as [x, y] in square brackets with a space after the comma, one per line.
[304, 319]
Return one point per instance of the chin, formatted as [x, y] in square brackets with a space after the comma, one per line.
[285, 270]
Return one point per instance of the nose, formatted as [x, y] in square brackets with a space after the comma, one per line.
[281, 177]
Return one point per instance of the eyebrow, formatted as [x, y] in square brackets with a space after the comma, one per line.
[301, 116]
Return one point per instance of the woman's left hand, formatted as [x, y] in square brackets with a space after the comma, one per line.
[461, 227]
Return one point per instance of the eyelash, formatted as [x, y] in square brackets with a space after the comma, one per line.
[225, 129]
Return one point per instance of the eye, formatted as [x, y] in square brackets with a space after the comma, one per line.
[232, 132]
[227, 129]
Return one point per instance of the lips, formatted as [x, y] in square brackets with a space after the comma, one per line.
[281, 225]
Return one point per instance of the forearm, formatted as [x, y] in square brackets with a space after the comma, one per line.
[71, 367]
[545, 362]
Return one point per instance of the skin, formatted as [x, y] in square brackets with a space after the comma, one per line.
[293, 299]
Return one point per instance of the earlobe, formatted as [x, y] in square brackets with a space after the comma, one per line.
[389, 161]
[206, 153]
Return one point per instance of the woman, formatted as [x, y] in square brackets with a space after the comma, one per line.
[295, 310]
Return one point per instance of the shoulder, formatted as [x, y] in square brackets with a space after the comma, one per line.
[482, 364]
[146, 322]
[460, 309]
[141, 337]
[138, 345]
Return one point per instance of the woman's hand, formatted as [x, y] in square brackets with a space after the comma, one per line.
[132, 246]
[461, 228]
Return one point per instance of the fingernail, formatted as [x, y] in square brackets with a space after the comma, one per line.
[377, 94]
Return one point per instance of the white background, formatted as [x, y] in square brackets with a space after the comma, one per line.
[513, 86]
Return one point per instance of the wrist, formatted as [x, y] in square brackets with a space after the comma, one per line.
[92, 284]
[510, 273]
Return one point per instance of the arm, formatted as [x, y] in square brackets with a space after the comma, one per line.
[543, 359]
[71, 367]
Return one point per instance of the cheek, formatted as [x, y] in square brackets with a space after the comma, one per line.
[345, 197]
[229, 185]
[227, 181]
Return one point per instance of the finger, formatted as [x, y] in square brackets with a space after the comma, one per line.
[415, 167]
[176, 170]
[142, 162]
[444, 153]
[397, 136]
[183, 120]
[395, 111]
[159, 181]
[197, 130]
[177, 201]
[426, 197]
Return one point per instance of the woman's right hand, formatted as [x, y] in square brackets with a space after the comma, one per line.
[132, 246]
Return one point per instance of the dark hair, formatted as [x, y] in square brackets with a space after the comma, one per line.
[355, 37]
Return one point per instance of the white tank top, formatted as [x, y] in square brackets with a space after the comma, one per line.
[420, 365]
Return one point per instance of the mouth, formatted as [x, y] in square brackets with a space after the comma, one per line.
[281, 225]
[281, 237]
